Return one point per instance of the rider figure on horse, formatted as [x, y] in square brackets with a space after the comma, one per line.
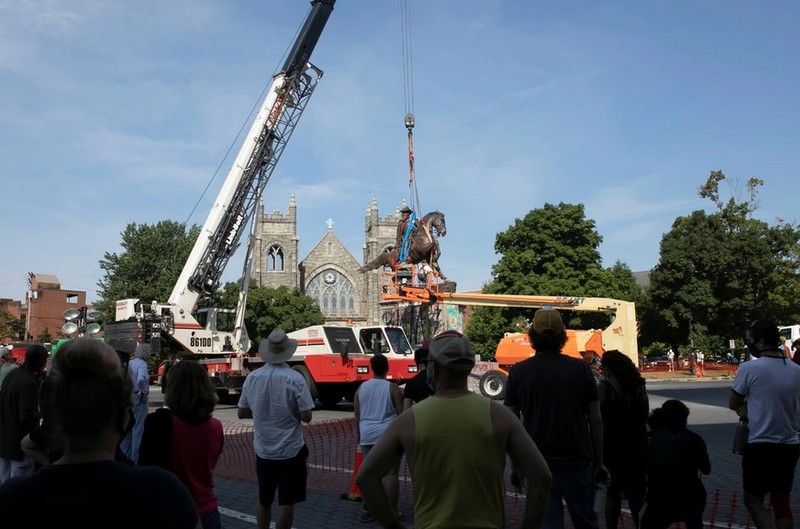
[415, 243]
[404, 228]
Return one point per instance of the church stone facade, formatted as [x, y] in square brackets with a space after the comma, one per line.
[329, 273]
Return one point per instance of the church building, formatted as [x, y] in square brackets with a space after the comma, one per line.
[329, 273]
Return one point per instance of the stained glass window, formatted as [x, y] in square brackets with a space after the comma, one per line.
[333, 292]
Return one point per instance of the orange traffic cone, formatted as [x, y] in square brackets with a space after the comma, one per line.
[354, 493]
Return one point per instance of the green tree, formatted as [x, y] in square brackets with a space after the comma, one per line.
[720, 270]
[44, 336]
[11, 327]
[149, 265]
[227, 298]
[552, 251]
[284, 307]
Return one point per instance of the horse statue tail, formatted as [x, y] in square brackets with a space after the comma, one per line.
[388, 257]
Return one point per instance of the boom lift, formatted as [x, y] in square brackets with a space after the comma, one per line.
[621, 334]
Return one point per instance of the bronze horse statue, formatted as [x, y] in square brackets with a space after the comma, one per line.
[422, 243]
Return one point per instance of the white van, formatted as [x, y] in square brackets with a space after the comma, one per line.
[789, 333]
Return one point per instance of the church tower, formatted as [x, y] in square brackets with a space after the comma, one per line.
[329, 273]
[379, 235]
[275, 259]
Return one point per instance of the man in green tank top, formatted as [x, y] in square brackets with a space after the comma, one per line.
[455, 443]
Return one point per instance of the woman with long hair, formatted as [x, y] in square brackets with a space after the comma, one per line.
[624, 406]
[185, 439]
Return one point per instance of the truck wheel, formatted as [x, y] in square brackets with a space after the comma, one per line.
[350, 393]
[312, 386]
[493, 385]
[226, 397]
[329, 397]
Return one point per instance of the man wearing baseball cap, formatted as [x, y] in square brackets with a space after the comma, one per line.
[455, 443]
[7, 364]
[558, 399]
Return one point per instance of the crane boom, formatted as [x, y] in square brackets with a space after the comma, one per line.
[216, 337]
[257, 158]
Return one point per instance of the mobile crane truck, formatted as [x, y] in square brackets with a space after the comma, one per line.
[217, 338]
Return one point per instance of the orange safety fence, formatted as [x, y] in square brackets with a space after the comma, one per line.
[708, 370]
[332, 460]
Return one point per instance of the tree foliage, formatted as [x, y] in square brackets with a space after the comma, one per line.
[44, 336]
[552, 251]
[284, 307]
[149, 265]
[719, 270]
[11, 327]
[152, 260]
[268, 308]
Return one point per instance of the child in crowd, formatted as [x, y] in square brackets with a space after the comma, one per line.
[676, 456]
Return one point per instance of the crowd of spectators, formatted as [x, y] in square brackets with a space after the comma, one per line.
[78, 442]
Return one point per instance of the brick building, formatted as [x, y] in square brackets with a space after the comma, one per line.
[45, 304]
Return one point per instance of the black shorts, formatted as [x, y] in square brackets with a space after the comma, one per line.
[287, 476]
[769, 467]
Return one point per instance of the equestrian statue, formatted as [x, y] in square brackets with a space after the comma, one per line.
[416, 242]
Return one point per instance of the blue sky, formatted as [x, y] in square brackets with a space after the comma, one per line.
[117, 112]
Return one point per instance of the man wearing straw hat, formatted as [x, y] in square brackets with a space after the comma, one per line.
[277, 398]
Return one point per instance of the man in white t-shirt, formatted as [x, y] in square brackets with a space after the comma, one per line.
[766, 391]
[671, 358]
[701, 358]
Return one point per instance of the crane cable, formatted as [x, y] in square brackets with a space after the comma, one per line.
[408, 93]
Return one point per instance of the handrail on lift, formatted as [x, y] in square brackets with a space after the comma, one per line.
[404, 284]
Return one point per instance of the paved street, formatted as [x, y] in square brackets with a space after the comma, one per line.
[331, 442]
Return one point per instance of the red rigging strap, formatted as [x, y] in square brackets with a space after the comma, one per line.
[412, 180]
[410, 158]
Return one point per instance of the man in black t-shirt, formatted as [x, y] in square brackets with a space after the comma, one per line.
[418, 389]
[557, 397]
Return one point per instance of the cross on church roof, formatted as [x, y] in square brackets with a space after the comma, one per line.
[330, 223]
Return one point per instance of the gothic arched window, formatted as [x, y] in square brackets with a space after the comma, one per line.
[275, 259]
[333, 292]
